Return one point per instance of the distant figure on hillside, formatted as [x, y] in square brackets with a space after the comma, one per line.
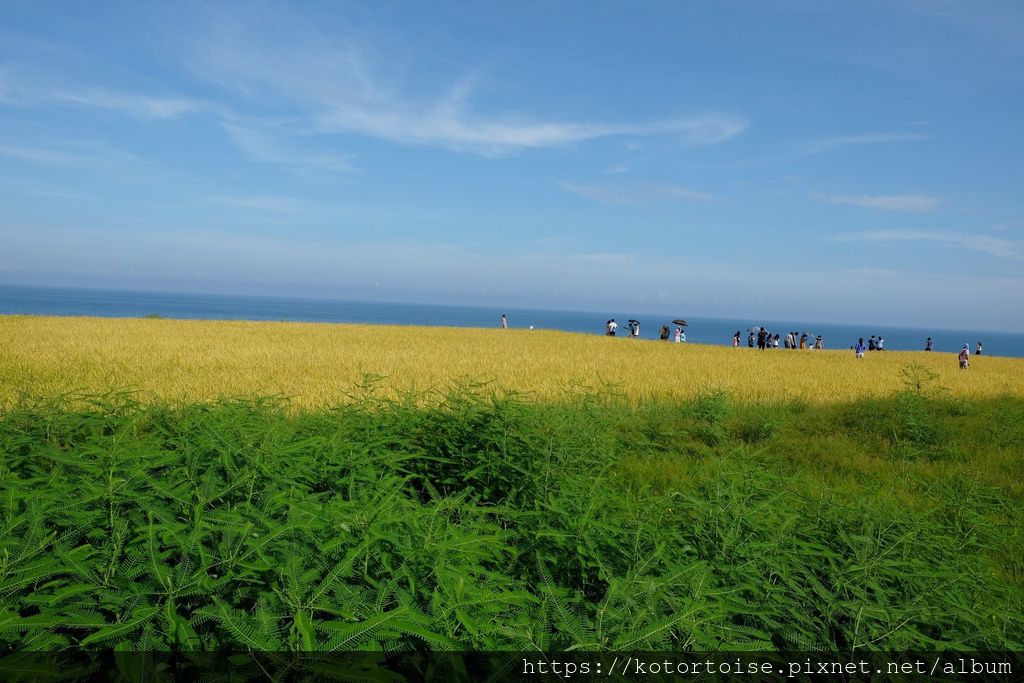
[789, 340]
[871, 343]
[504, 321]
[880, 344]
[634, 329]
[819, 343]
[762, 337]
[775, 341]
[965, 357]
[664, 333]
[736, 340]
[750, 339]
[977, 349]
[611, 327]
[679, 334]
[803, 342]
[860, 348]
[928, 344]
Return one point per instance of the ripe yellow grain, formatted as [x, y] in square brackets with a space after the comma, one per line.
[321, 364]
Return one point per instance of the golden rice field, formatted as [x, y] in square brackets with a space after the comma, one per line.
[320, 364]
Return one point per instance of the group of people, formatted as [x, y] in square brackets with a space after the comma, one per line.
[679, 335]
[977, 348]
[878, 345]
[766, 340]
[965, 354]
[611, 328]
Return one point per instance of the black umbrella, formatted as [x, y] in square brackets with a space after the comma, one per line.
[633, 321]
[680, 322]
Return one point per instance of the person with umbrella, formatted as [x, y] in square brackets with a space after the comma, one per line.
[680, 324]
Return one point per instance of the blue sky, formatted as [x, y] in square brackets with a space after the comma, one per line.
[838, 161]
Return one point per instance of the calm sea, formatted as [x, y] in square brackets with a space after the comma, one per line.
[113, 303]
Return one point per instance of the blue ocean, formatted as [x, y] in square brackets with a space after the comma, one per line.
[114, 303]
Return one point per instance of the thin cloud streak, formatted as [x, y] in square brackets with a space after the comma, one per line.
[916, 203]
[23, 89]
[984, 243]
[73, 155]
[636, 194]
[832, 143]
[271, 144]
[262, 203]
[457, 130]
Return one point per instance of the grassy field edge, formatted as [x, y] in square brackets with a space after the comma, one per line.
[492, 522]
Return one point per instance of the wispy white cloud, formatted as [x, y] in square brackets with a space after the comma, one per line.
[129, 104]
[23, 88]
[273, 144]
[984, 243]
[449, 126]
[918, 203]
[1007, 225]
[339, 87]
[831, 143]
[71, 155]
[262, 203]
[637, 193]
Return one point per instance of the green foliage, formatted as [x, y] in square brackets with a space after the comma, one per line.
[493, 523]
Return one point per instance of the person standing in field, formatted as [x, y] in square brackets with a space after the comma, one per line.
[803, 342]
[762, 336]
[871, 343]
[750, 340]
[977, 349]
[504, 321]
[965, 357]
[880, 344]
[664, 333]
[860, 348]
[819, 343]
[612, 326]
[928, 344]
[736, 340]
